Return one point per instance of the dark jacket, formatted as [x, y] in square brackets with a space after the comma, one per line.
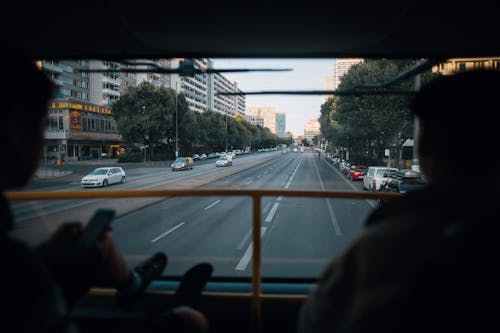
[31, 300]
[425, 262]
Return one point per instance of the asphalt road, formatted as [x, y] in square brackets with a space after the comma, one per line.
[299, 235]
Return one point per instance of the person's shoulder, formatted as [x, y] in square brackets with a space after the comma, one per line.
[410, 204]
[21, 260]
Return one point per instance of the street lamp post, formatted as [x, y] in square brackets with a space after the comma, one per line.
[176, 123]
[146, 137]
[226, 131]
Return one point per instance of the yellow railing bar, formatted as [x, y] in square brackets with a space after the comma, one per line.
[256, 195]
[256, 262]
[92, 194]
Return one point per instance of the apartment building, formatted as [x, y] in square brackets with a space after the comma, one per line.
[87, 97]
[267, 113]
[281, 124]
[80, 131]
[255, 120]
[342, 66]
[311, 129]
[456, 65]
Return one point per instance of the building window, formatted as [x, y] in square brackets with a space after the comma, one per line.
[56, 123]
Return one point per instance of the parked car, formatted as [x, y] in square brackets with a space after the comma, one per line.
[182, 163]
[344, 166]
[403, 181]
[226, 160]
[357, 172]
[376, 175]
[102, 177]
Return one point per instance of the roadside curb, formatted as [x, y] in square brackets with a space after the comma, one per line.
[48, 172]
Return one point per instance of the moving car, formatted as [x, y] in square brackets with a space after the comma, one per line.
[102, 177]
[226, 160]
[182, 163]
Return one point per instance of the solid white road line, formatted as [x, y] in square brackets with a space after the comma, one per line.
[211, 205]
[333, 217]
[245, 260]
[169, 231]
[287, 185]
[270, 216]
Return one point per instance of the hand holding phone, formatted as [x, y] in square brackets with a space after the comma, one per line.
[98, 224]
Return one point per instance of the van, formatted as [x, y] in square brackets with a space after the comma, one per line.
[375, 176]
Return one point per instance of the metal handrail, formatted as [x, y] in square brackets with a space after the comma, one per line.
[256, 195]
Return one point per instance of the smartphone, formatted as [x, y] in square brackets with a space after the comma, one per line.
[98, 224]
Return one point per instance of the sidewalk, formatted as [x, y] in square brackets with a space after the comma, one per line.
[47, 171]
[50, 171]
[44, 172]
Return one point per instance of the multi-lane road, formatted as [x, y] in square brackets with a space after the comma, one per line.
[299, 235]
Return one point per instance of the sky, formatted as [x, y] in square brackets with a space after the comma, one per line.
[306, 75]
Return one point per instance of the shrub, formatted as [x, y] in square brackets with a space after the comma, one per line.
[133, 156]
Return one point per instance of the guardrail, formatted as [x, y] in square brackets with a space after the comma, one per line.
[256, 195]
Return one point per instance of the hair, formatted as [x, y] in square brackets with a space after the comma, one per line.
[28, 88]
[457, 118]
[25, 100]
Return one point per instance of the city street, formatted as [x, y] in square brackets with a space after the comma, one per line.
[299, 235]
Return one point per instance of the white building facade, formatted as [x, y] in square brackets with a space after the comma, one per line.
[85, 99]
[267, 113]
[311, 129]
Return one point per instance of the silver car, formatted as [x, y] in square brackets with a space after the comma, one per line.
[223, 161]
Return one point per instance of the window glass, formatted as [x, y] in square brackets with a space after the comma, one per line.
[278, 141]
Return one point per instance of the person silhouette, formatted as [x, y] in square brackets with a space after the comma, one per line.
[425, 261]
[42, 284]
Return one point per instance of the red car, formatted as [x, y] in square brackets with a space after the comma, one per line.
[357, 172]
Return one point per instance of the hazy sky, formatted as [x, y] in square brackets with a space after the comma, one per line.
[306, 75]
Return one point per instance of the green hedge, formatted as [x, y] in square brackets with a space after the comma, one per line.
[131, 157]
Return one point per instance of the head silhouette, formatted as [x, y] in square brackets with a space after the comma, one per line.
[25, 105]
[457, 126]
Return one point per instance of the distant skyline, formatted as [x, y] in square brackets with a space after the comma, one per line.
[306, 74]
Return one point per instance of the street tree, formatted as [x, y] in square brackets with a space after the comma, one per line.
[371, 122]
[144, 115]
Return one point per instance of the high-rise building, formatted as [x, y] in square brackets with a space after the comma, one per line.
[267, 113]
[70, 82]
[104, 88]
[254, 120]
[281, 124]
[156, 79]
[342, 66]
[81, 120]
[312, 129]
[231, 104]
[328, 86]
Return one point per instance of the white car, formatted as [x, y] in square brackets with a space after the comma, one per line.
[102, 177]
[376, 176]
[222, 161]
